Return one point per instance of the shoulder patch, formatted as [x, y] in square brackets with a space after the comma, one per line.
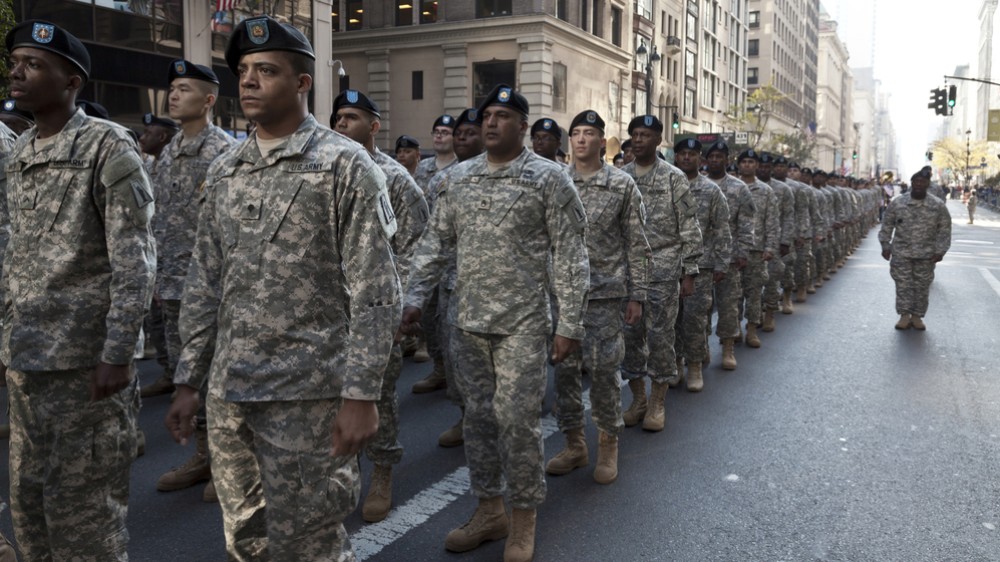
[141, 194]
[120, 166]
[386, 217]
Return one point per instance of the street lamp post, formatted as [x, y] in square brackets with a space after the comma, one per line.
[654, 56]
[968, 153]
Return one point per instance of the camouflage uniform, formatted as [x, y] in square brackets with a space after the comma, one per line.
[767, 230]
[808, 216]
[619, 263]
[290, 306]
[821, 263]
[505, 227]
[914, 231]
[713, 219]
[779, 269]
[178, 178]
[410, 209]
[675, 240]
[426, 170]
[7, 138]
[78, 276]
[728, 292]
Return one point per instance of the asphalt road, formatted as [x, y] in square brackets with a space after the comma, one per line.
[840, 439]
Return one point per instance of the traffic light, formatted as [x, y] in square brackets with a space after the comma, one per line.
[930, 155]
[952, 94]
[939, 101]
[677, 122]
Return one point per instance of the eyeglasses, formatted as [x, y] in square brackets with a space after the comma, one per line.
[441, 133]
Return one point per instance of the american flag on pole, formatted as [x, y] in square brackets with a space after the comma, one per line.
[225, 5]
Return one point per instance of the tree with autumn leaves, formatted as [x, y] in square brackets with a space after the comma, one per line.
[753, 117]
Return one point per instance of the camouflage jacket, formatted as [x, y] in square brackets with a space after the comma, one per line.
[178, 178]
[427, 169]
[7, 138]
[805, 208]
[81, 261]
[671, 224]
[824, 203]
[766, 225]
[741, 214]
[504, 227]
[292, 293]
[409, 206]
[616, 240]
[916, 229]
[713, 218]
[789, 224]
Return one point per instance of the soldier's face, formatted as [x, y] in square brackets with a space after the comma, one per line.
[154, 138]
[688, 160]
[468, 141]
[40, 80]
[747, 167]
[586, 142]
[764, 171]
[188, 99]
[716, 162]
[443, 141]
[408, 157]
[918, 187]
[270, 87]
[545, 144]
[355, 124]
[781, 171]
[644, 143]
[503, 129]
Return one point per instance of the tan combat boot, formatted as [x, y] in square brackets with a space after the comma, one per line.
[574, 456]
[488, 523]
[811, 289]
[786, 302]
[675, 379]
[800, 294]
[606, 470]
[655, 417]
[768, 324]
[162, 385]
[694, 378]
[209, 495]
[140, 443]
[378, 502]
[434, 381]
[728, 356]
[904, 322]
[452, 437]
[520, 545]
[752, 339]
[196, 469]
[917, 322]
[637, 409]
[421, 355]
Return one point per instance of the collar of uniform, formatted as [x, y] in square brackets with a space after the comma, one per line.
[293, 146]
[62, 149]
[514, 169]
[193, 146]
[600, 176]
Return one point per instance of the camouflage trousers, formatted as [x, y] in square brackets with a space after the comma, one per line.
[693, 319]
[649, 344]
[913, 284]
[284, 497]
[445, 334]
[503, 380]
[776, 269]
[152, 327]
[385, 448]
[600, 355]
[70, 460]
[804, 264]
[820, 262]
[728, 294]
[171, 333]
[429, 326]
[753, 278]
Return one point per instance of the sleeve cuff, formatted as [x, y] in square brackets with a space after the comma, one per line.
[571, 331]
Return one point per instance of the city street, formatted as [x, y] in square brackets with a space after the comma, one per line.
[839, 439]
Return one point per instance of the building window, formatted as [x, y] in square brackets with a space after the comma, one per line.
[614, 102]
[558, 87]
[428, 11]
[493, 8]
[417, 81]
[753, 47]
[689, 103]
[692, 27]
[562, 10]
[616, 27]
[753, 20]
[751, 76]
[584, 12]
[690, 64]
[644, 8]
[355, 15]
[486, 75]
[404, 12]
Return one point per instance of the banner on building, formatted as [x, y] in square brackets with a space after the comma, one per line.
[993, 129]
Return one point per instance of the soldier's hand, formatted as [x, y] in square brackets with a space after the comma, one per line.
[768, 256]
[718, 276]
[107, 380]
[936, 258]
[785, 248]
[356, 422]
[410, 324]
[886, 254]
[687, 286]
[800, 242]
[633, 312]
[180, 417]
[740, 263]
[562, 347]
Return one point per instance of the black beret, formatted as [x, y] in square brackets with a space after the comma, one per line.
[470, 116]
[354, 98]
[49, 37]
[93, 109]
[406, 141]
[717, 146]
[923, 173]
[732, 168]
[779, 160]
[549, 126]
[766, 158]
[589, 118]
[444, 121]
[794, 165]
[506, 96]
[748, 153]
[150, 119]
[687, 144]
[255, 35]
[646, 122]
[10, 107]
[820, 173]
[807, 171]
[181, 68]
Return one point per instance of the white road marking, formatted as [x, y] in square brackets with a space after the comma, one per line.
[975, 242]
[990, 279]
[371, 539]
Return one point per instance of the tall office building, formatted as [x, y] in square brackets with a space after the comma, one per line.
[836, 135]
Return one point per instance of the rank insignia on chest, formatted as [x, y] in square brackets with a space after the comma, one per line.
[484, 203]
